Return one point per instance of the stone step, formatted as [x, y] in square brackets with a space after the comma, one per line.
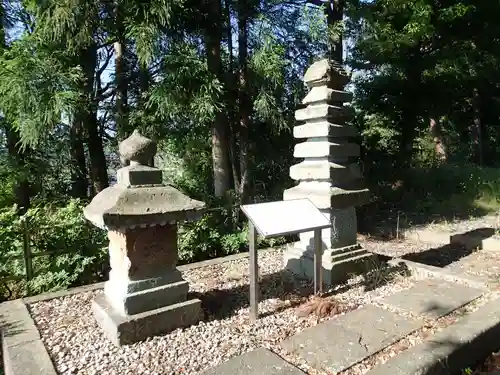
[257, 362]
[432, 298]
[340, 343]
[351, 255]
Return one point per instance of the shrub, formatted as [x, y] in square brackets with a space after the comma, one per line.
[77, 250]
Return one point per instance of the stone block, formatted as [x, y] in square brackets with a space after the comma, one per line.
[340, 343]
[123, 330]
[134, 286]
[149, 299]
[324, 128]
[320, 94]
[318, 149]
[257, 362]
[28, 358]
[137, 175]
[433, 298]
[338, 265]
[16, 324]
[326, 71]
[22, 348]
[324, 169]
[327, 197]
[142, 253]
[341, 234]
[320, 111]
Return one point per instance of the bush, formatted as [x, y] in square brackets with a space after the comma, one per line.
[75, 252]
[218, 233]
[77, 249]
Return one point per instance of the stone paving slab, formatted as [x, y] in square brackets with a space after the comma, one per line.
[257, 362]
[22, 348]
[340, 343]
[432, 298]
[16, 325]
[456, 347]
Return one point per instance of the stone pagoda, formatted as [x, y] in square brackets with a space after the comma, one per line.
[145, 294]
[328, 176]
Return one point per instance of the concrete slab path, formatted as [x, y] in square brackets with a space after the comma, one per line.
[432, 298]
[338, 344]
[257, 362]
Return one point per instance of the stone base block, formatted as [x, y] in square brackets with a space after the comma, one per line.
[124, 330]
[338, 264]
[149, 299]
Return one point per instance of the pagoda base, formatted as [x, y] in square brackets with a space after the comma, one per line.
[128, 329]
[338, 264]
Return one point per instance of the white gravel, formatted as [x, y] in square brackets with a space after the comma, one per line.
[77, 346]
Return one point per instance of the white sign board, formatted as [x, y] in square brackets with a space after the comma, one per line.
[280, 218]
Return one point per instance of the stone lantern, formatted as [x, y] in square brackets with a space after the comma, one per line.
[145, 294]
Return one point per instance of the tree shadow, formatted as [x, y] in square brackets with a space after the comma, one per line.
[8, 328]
[448, 351]
[223, 303]
[456, 351]
[445, 255]
[441, 256]
[291, 290]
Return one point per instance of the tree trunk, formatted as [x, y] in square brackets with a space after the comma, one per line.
[79, 181]
[121, 75]
[98, 165]
[410, 112]
[245, 104]
[231, 97]
[121, 92]
[220, 149]
[334, 15]
[476, 129]
[437, 137]
[18, 161]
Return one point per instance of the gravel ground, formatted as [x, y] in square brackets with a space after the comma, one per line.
[77, 346]
[482, 264]
[394, 248]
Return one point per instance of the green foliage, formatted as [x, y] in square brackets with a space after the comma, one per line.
[417, 61]
[35, 88]
[78, 250]
[210, 237]
[216, 235]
